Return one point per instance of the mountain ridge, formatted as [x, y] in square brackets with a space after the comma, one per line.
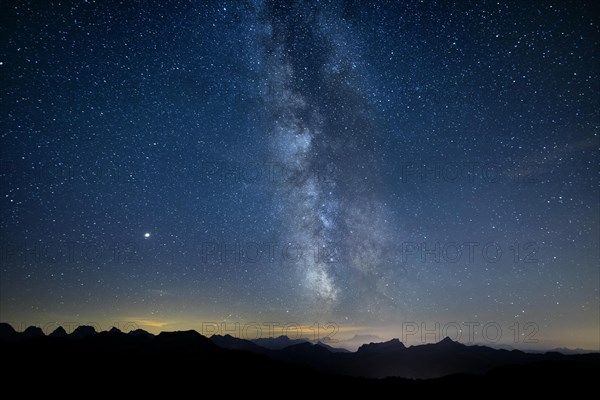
[373, 360]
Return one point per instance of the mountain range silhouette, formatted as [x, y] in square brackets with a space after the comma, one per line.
[183, 357]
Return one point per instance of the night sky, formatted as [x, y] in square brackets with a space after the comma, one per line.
[367, 166]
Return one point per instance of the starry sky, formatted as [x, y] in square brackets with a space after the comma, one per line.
[369, 166]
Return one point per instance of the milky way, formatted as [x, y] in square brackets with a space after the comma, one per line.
[322, 131]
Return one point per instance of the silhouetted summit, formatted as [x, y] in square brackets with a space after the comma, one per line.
[32, 332]
[7, 332]
[186, 341]
[59, 333]
[385, 347]
[140, 333]
[233, 343]
[82, 331]
[447, 342]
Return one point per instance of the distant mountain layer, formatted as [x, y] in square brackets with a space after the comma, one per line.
[278, 343]
[85, 346]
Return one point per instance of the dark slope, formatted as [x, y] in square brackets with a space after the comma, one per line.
[174, 362]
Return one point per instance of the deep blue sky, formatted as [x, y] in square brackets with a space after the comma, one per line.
[301, 162]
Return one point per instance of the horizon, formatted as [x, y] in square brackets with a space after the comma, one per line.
[352, 341]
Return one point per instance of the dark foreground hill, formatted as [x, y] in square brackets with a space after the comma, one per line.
[173, 363]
